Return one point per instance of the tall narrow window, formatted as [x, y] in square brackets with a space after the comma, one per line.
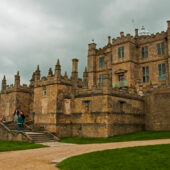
[161, 48]
[101, 62]
[162, 72]
[101, 80]
[121, 52]
[144, 52]
[145, 74]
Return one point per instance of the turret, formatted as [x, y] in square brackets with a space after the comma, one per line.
[17, 80]
[4, 84]
[85, 77]
[58, 70]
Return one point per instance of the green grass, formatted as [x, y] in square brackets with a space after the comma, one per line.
[137, 158]
[13, 145]
[145, 135]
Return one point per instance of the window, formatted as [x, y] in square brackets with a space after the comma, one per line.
[144, 52]
[101, 62]
[121, 77]
[121, 52]
[162, 72]
[101, 80]
[145, 73]
[161, 48]
[44, 92]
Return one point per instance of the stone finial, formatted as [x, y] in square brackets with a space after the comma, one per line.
[85, 74]
[50, 72]
[4, 79]
[58, 70]
[58, 62]
[65, 76]
[17, 73]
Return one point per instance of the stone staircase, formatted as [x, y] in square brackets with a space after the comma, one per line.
[34, 135]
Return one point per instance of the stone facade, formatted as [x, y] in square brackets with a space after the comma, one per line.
[125, 88]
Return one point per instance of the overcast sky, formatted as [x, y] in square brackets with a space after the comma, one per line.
[41, 31]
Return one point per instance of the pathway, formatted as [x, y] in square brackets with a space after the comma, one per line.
[45, 158]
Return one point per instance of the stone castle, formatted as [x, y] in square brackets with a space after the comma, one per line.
[125, 88]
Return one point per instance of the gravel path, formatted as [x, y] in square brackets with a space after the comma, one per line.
[46, 158]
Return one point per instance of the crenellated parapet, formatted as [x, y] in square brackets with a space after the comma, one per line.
[123, 39]
[151, 38]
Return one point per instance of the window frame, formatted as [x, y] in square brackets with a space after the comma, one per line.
[101, 80]
[162, 72]
[121, 52]
[145, 74]
[161, 48]
[101, 61]
[145, 52]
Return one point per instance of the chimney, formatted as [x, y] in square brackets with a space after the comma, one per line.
[121, 34]
[109, 40]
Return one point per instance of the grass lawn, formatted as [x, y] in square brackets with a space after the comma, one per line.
[137, 158]
[145, 135]
[13, 145]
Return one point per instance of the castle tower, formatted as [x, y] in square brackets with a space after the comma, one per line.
[92, 65]
[17, 80]
[58, 70]
[168, 34]
[4, 84]
[85, 77]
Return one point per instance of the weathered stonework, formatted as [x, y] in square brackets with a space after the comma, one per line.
[111, 99]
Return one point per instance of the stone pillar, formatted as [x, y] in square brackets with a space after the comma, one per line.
[3, 84]
[92, 65]
[17, 80]
[58, 70]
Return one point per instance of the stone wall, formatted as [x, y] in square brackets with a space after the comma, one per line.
[157, 105]
[99, 115]
[6, 134]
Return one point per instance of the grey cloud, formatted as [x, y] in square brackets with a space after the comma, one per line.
[40, 31]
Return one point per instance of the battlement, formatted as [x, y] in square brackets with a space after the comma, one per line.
[151, 38]
[123, 39]
[13, 88]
